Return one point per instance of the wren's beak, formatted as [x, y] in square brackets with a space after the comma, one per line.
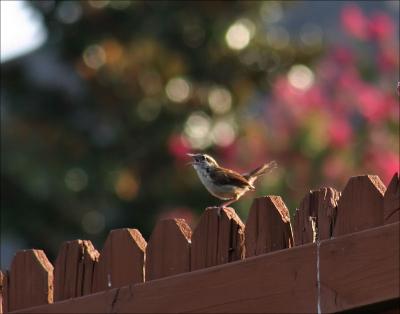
[194, 161]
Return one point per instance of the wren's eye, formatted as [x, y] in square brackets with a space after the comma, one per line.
[199, 158]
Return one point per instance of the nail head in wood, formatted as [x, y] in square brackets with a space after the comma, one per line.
[121, 260]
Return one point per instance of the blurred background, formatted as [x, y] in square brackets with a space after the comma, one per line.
[101, 101]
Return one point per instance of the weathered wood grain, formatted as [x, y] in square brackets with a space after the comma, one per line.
[86, 267]
[279, 282]
[360, 269]
[303, 232]
[268, 226]
[30, 280]
[391, 201]
[360, 205]
[168, 249]
[121, 260]
[217, 239]
[74, 269]
[326, 200]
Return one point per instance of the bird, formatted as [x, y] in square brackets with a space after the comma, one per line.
[223, 183]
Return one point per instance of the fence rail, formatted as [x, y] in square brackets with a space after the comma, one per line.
[346, 256]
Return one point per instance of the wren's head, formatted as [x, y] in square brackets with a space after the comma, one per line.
[203, 161]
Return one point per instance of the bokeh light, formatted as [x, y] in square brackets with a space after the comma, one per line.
[126, 185]
[94, 56]
[99, 4]
[69, 12]
[93, 222]
[271, 11]
[239, 34]
[301, 77]
[97, 122]
[76, 179]
[220, 100]
[178, 89]
[223, 133]
[197, 130]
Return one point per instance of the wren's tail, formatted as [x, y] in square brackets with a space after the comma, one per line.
[259, 171]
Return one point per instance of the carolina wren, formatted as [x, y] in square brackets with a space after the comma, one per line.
[223, 183]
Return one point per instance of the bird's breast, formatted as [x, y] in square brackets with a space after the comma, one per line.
[225, 191]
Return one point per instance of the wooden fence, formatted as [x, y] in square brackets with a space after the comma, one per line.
[341, 253]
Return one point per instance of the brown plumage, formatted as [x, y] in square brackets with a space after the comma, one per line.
[226, 176]
[224, 183]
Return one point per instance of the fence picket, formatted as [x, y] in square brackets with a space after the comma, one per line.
[391, 201]
[3, 292]
[87, 266]
[268, 226]
[326, 200]
[30, 280]
[360, 205]
[73, 269]
[302, 228]
[168, 249]
[121, 260]
[217, 239]
[220, 237]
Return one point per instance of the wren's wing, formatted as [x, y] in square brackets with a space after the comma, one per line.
[224, 176]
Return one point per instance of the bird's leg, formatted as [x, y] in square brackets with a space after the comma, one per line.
[230, 201]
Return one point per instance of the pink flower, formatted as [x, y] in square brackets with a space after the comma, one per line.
[385, 164]
[316, 97]
[343, 56]
[340, 132]
[296, 100]
[349, 80]
[327, 70]
[387, 60]
[334, 168]
[372, 103]
[381, 26]
[354, 21]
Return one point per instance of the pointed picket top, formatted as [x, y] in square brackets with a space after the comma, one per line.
[268, 226]
[391, 201]
[74, 269]
[30, 280]
[168, 249]
[121, 260]
[217, 239]
[303, 231]
[360, 205]
[325, 200]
